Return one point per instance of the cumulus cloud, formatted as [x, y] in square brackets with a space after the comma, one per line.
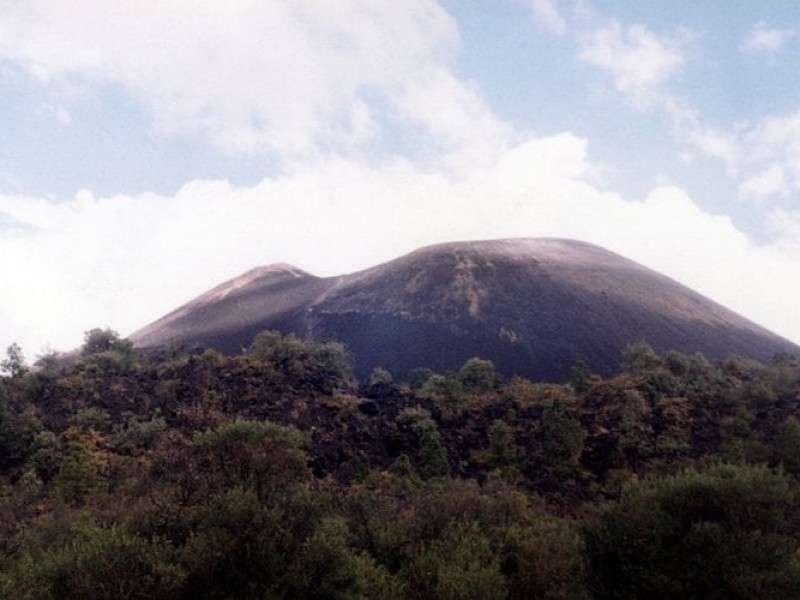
[764, 155]
[123, 261]
[639, 61]
[766, 40]
[776, 136]
[546, 13]
[763, 185]
[291, 78]
[717, 144]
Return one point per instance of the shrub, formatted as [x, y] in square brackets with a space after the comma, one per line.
[98, 563]
[716, 533]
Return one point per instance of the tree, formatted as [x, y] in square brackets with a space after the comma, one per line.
[788, 446]
[716, 533]
[99, 340]
[104, 564]
[78, 475]
[639, 357]
[562, 438]
[234, 550]
[14, 364]
[461, 563]
[478, 375]
[104, 351]
[331, 366]
[17, 432]
[431, 456]
[446, 391]
[379, 384]
[580, 376]
[678, 364]
[503, 450]
[418, 377]
[325, 566]
[635, 433]
[380, 376]
[325, 366]
[257, 455]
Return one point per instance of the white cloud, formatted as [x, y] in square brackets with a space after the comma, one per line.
[58, 113]
[546, 13]
[639, 60]
[454, 115]
[763, 39]
[295, 78]
[763, 185]
[717, 144]
[776, 140]
[775, 135]
[763, 155]
[786, 224]
[124, 261]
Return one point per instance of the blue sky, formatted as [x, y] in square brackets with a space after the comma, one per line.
[150, 150]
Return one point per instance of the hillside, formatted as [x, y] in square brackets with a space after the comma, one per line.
[535, 307]
[275, 473]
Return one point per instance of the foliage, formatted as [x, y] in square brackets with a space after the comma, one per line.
[260, 456]
[580, 376]
[715, 533]
[503, 451]
[104, 350]
[788, 446]
[98, 563]
[562, 438]
[478, 375]
[14, 363]
[18, 430]
[79, 474]
[380, 376]
[639, 357]
[422, 434]
[460, 564]
[96, 341]
[272, 474]
[325, 366]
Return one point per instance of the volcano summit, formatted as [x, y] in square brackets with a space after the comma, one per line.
[535, 307]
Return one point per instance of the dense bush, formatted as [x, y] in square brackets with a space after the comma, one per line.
[274, 475]
[720, 532]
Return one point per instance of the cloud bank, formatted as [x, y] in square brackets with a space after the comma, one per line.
[294, 79]
[124, 261]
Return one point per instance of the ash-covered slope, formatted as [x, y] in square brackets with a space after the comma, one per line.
[230, 315]
[533, 306]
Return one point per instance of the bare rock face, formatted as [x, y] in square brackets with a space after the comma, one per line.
[534, 307]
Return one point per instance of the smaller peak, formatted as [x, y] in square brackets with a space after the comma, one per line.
[276, 268]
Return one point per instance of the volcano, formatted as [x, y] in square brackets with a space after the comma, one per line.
[534, 307]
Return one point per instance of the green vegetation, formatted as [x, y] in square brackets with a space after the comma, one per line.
[274, 474]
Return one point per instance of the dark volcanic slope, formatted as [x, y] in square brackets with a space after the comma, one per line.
[534, 307]
[229, 316]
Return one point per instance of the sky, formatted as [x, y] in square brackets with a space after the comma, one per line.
[150, 150]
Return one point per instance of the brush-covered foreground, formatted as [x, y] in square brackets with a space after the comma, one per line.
[274, 474]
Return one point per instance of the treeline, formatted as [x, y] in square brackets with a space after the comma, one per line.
[275, 474]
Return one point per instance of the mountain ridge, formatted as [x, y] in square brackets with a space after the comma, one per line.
[534, 306]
